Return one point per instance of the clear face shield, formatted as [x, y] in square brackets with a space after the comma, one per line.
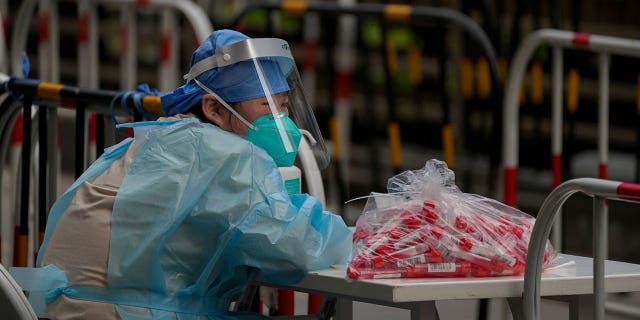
[264, 68]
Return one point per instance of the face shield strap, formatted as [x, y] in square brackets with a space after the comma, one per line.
[288, 146]
[234, 112]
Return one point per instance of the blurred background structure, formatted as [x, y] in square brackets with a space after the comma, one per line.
[393, 83]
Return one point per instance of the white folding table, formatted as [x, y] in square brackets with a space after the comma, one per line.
[420, 295]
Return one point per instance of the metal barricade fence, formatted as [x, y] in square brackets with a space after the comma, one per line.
[557, 39]
[4, 66]
[41, 99]
[600, 190]
[604, 46]
[88, 71]
[88, 75]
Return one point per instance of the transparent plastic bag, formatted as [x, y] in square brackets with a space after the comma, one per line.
[426, 227]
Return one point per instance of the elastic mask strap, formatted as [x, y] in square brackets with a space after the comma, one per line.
[235, 113]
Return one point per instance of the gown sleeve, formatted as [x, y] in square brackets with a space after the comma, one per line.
[287, 236]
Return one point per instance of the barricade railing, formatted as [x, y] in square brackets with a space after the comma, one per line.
[4, 66]
[604, 46]
[40, 99]
[88, 73]
[600, 190]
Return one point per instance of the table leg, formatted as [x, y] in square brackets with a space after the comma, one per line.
[425, 310]
[580, 306]
[344, 309]
[515, 305]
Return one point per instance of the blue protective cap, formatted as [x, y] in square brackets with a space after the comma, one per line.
[233, 83]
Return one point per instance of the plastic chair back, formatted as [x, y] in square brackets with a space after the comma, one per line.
[13, 302]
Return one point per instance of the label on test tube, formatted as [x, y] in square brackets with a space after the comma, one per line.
[507, 258]
[412, 260]
[415, 236]
[409, 252]
[367, 273]
[432, 256]
[484, 251]
[389, 275]
[446, 269]
[441, 267]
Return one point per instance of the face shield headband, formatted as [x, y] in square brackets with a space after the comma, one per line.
[264, 67]
[242, 51]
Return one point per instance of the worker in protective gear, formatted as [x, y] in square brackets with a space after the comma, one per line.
[174, 223]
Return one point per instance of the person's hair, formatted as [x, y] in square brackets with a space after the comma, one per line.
[196, 110]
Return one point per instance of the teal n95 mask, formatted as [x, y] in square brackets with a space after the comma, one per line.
[276, 133]
[263, 68]
[265, 135]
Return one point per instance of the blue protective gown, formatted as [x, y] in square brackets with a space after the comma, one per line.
[199, 214]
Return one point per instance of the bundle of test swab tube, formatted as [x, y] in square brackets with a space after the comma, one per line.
[426, 227]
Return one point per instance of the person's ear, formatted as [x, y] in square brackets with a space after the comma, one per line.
[214, 111]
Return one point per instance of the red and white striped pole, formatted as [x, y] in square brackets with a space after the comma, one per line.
[47, 17]
[10, 219]
[603, 114]
[87, 60]
[556, 136]
[49, 66]
[49, 44]
[583, 41]
[344, 58]
[4, 57]
[311, 34]
[5, 224]
[87, 44]
[20, 243]
[169, 51]
[44, 49]
[128, 47]
[19, 236]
